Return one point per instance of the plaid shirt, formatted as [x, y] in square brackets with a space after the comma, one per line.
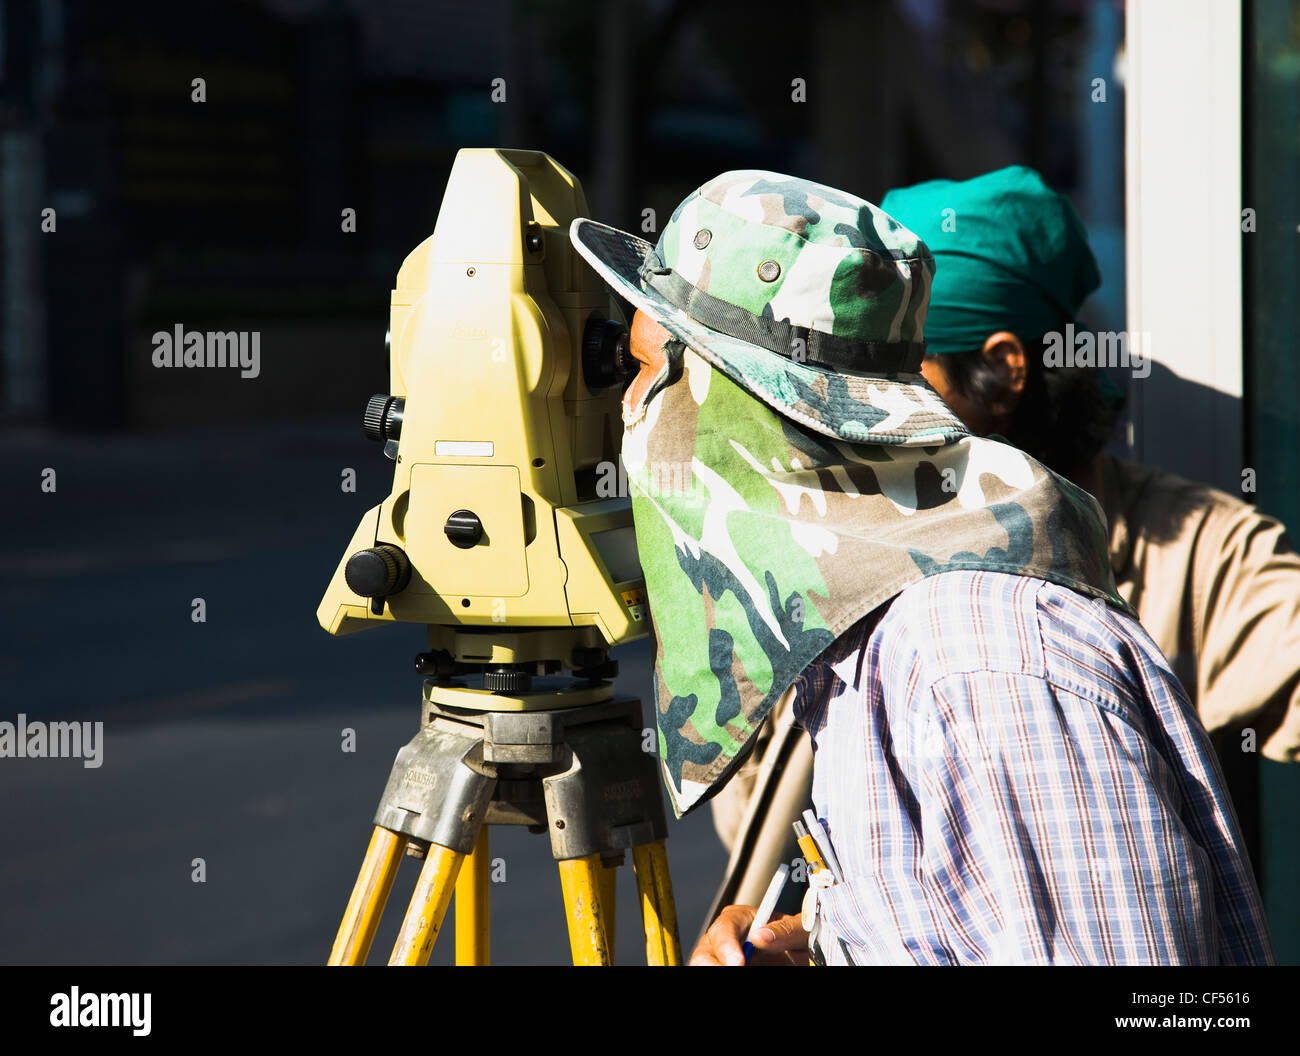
[1010, 774]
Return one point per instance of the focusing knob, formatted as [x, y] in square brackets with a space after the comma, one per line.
[606, 358]
[463, 529]
[378, 571]
[383, 420]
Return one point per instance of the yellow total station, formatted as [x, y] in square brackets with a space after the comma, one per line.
[496, 516]
[504, 535]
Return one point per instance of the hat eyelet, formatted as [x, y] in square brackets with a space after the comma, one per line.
[702, 238]
[769, 271]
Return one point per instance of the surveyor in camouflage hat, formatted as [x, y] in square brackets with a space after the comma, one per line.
[797, 313]
[794, 483]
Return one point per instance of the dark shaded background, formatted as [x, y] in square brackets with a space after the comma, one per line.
[227, 213]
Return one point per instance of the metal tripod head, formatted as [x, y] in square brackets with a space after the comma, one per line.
[578, 773]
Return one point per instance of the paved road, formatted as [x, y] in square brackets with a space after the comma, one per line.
[222, 739]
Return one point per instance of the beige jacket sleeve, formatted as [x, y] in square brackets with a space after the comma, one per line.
[1217, 586]
[1246, 585]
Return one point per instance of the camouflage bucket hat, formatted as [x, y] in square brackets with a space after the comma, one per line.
[809, 298]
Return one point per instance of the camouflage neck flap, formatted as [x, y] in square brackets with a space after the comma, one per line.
[762, 542]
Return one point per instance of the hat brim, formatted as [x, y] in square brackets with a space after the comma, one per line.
[899, 409]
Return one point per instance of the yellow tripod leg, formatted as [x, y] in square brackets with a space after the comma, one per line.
[580, 882]
[472, 905]
[607, 879]
[369, 896]
[658, 910]
[428, 906]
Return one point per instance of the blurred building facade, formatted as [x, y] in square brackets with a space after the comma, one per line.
[226, 213]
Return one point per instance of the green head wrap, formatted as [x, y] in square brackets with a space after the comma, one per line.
[1010, 254]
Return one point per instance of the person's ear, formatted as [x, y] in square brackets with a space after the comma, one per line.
[1004, 353]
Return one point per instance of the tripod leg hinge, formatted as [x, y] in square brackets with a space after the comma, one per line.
[434, 793]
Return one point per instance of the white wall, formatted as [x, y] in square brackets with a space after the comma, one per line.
[1183, 190]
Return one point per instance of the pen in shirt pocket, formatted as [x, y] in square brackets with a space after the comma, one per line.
[823, 872]
[816, 846]
[808, 848]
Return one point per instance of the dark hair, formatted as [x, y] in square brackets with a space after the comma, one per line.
[1064, 417]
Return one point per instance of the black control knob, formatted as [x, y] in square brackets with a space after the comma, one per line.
[463, 529]
[440, 662]
[506, 679]
[383, 420]
[377, 571]
[606, 358]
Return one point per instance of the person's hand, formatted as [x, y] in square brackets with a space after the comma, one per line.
[782, 941]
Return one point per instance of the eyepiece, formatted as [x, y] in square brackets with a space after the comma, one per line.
[606, 358]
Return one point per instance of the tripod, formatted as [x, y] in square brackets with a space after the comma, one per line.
[564, 759]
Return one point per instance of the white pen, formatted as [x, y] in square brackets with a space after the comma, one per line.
[766, 907]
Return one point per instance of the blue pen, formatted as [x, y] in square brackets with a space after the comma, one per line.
[766, 907]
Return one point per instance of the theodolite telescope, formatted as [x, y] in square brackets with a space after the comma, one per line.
[503, 421]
